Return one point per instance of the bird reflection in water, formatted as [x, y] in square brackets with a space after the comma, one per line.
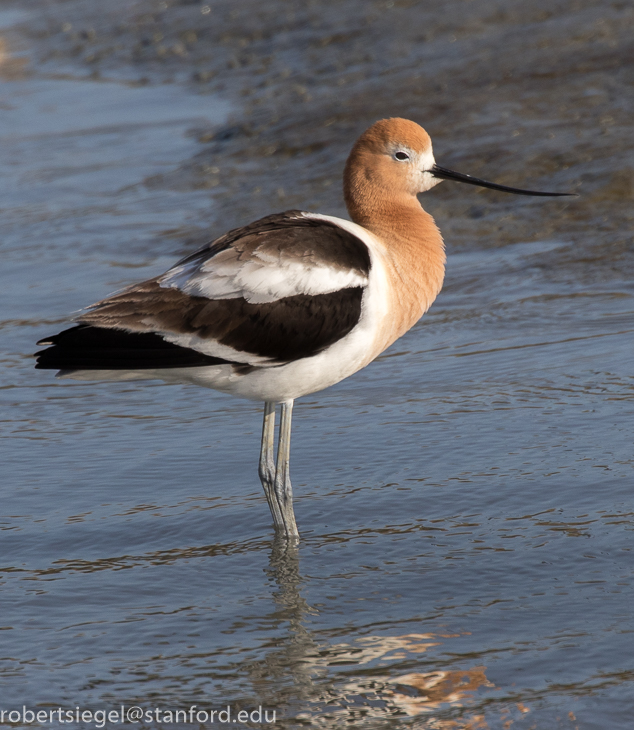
[336, 684]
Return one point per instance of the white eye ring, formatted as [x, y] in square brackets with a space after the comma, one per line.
[401, 156]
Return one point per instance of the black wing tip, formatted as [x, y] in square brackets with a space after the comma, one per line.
[85, 347]
[52, 358]
[42, 365]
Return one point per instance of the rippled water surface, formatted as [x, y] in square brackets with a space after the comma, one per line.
[465, 503]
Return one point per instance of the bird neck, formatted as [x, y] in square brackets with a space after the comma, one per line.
[414, 248]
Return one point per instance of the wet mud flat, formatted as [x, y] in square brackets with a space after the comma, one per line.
[465, 503]
[530, 92]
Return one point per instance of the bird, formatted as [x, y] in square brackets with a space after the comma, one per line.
[287, 305]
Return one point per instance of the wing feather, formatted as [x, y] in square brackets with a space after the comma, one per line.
[287, 255]
[283, 288]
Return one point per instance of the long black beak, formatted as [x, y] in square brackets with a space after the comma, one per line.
[443, 173]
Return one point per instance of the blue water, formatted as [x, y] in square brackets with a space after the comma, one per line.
[465, 503]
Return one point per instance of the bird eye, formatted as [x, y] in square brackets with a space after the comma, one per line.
[401, 156]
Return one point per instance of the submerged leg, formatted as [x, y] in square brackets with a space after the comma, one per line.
[283, 488]
[266, 468]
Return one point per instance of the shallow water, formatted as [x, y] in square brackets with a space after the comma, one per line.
[465, 503]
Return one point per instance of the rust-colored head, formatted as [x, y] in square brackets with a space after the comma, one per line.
[393, 160]
[390, 162]
[385, 135]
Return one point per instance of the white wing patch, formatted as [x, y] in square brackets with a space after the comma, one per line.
[216, 349]
[260, 277]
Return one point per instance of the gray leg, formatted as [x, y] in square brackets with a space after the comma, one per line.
[267, 464]
[283, 488]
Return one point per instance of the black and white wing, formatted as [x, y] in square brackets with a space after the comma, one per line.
[282, 288]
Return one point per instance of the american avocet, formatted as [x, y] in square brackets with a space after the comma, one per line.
[287, 305]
